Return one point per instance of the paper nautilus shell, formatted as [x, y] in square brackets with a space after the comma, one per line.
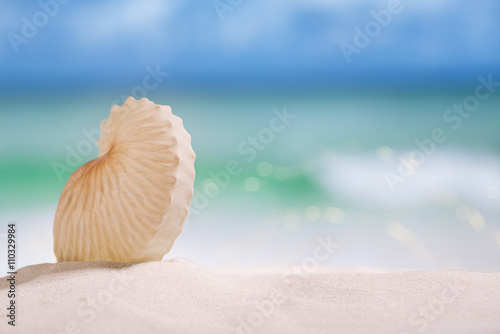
[129, 204]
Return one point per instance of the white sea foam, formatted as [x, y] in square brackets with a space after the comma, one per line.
[469, 177]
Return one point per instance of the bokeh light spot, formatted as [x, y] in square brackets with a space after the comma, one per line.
[252, 184]
[334, 215]
[264, 169]
[312, 213]
[385, 153]
[401, 233]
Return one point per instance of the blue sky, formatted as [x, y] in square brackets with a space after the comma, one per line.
[262, 42]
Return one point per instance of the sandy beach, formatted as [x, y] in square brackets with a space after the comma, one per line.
[179, 296]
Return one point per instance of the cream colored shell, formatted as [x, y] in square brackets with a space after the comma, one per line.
[129, 204]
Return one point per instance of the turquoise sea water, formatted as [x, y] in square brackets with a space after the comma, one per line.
[321, 171]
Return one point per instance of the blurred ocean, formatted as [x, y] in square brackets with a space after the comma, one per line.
[323, 173]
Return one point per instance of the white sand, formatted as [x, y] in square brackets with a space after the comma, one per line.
[179, 296]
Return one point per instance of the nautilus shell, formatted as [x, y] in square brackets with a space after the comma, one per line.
[130, 203]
